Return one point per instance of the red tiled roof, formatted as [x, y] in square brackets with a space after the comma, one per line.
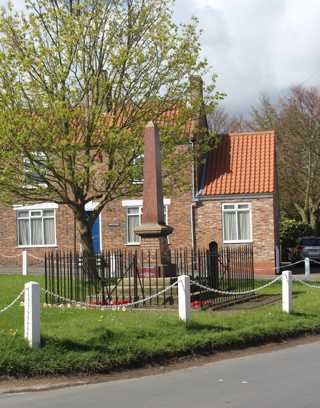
[242, 163]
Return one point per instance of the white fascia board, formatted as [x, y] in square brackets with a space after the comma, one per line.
[40, 206]
[139, 203]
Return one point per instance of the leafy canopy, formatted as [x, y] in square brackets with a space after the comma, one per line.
[79, 80]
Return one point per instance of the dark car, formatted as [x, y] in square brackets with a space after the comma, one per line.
[307, 247]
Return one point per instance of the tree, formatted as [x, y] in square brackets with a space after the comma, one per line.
[79, 80]
[296, 119]
[220, 122]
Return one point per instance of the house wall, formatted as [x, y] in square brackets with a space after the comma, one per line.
[114, 223]
[113, 227]
[209, 228]
[9, 251]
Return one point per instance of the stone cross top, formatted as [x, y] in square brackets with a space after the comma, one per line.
[153, 230]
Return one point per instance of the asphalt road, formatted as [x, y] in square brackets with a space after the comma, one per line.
[285, 378]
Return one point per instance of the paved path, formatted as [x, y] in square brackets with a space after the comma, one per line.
[288, 378]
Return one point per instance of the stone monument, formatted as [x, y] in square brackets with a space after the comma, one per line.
[153, 229]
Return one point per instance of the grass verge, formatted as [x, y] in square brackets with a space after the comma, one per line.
[92, 341]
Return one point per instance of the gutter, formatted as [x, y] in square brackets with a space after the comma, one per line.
[200, 197]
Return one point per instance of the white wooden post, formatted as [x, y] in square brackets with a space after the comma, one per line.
[287, 291]
[184, 297]
[32, 313]
[112, 265]
[24, 263]
[307, 268]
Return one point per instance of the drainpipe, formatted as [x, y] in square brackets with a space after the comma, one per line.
[196, 96]
[193, 205]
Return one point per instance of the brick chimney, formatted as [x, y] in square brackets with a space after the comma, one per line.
[199, 120]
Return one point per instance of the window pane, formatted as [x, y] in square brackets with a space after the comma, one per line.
[35, 213]
[243, 206]
[230, 226]
[244, 225]
[35, 171]
[137, 170]
[133, 210]
[23, 232]
[21, 214]
[48, 226]
[228, 207]
[48, 213]
[36, 231]
[133, 222]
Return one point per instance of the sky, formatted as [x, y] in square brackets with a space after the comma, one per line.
[256, 46]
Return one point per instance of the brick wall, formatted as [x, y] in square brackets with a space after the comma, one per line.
[209, 228]
[114, 223]
[8, 237]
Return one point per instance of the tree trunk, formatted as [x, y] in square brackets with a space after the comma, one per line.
[314, 219]
[310, 216]
[303, 213]
[88, 253]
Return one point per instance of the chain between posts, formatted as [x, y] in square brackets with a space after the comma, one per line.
[94, 306]
[314, 260]
[36, 257]
[307, 284]
[10, 256]
[231, 293]
[13, 302]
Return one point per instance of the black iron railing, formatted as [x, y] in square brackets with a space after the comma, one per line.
[118, 277]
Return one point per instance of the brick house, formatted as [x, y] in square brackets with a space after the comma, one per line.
[238, 197]
[233, 199]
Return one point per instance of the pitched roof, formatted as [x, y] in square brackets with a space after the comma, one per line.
[242, 163]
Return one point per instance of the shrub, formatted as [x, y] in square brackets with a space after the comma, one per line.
[290, 231]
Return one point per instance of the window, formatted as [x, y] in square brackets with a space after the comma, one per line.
[34, 172]
[137, 170]
[36, 227]
[236, 223]
[134, 216]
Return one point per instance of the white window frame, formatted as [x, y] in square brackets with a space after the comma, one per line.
[26, 163]
[139, 204]
[36, 208]
[140, 157]
[127, 224]
[236, 209]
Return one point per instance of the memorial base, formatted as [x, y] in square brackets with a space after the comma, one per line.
[155, 247]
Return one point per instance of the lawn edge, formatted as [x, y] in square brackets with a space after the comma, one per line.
[167, 358]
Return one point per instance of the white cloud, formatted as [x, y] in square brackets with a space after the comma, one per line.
[258, 45]
[255, 45]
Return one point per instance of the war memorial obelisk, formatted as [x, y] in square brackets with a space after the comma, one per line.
[153, 229]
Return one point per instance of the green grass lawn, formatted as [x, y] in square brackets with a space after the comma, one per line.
[93, 341]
